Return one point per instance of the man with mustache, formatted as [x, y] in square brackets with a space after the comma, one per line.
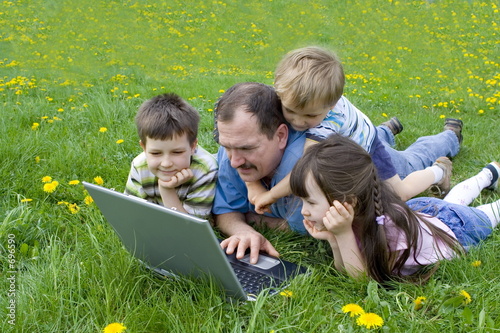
[256, 144]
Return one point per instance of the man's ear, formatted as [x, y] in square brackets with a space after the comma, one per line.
[143, 146]
[282, 133]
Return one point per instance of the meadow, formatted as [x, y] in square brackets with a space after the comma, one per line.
[72, 75]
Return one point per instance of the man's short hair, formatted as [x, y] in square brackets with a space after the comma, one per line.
[309, 75]
[165, 116]
[259, 99]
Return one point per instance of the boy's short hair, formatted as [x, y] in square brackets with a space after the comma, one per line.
[309, 75]
[165, 116]
[258, 99]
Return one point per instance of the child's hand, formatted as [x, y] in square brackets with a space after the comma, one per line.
[263, 202]
[339, 217]
[178, 179]
[322, 234]
[254, 190]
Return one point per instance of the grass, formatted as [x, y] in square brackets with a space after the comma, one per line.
[74, 67]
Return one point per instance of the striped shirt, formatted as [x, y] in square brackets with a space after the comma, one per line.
[196, 195]
[346, 120]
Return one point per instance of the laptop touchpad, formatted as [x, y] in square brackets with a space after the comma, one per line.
[264, 262]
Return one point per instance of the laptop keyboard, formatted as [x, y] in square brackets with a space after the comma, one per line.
[252, 282]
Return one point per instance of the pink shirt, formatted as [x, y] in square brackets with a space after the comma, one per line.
[429, 250]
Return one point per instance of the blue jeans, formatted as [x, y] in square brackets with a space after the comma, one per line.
[469, 224]
[422, 153]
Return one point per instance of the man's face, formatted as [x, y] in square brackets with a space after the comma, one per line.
[250, 152]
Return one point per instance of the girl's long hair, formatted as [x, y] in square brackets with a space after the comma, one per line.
[344, 171]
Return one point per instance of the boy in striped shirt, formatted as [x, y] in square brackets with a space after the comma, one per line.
[173, 170]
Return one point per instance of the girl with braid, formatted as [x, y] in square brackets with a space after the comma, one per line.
[370, 229]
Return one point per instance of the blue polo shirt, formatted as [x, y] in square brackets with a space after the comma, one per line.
[231, 192]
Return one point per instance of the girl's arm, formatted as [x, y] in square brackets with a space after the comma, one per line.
[338, 220]
[330, 238]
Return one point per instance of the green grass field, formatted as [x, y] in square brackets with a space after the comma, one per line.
[72, 75]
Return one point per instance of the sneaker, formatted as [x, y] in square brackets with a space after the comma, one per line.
[454, 125]
[494, 167]
[394, 125]
[442, 188]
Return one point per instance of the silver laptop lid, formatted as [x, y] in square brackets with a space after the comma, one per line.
[166, 239]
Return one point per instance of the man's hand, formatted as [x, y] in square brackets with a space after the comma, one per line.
[178, 179]
[248, 239]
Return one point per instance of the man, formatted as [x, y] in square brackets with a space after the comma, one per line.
[256, 144]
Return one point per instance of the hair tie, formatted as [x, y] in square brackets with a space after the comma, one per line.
[380, 219]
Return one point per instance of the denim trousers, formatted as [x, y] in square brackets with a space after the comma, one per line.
[422, 153]
[469, 224]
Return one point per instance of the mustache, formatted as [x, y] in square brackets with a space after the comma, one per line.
[246, 166]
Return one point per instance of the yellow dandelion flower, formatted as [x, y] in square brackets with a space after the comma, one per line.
[286, 293]
[26, 200]
[88, 200]
[384, 115]
[98, 180]
[60, 110]
[73, 208]
[480, 111]
[222, 91]
[103, 129]
[467, 298]
[442, 116]
[74, 182]
[34, 127]
[353, 309]
[476, 263]
[114, 328]
[119, 141]
[46, 179]
[37, 159]
[419, 302]
[50, 187]
[370, 320]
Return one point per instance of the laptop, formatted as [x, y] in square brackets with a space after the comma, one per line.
[172, 243]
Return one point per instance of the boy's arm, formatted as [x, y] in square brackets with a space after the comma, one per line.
[280, 190]
[169, 194]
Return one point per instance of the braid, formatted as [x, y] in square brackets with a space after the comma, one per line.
[377, 200]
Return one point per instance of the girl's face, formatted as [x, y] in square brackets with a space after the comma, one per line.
[315, 206]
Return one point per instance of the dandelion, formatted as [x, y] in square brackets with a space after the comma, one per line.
[60, 110]
[353, 309]
[466, 296]
[370, 320]
[73, 208]
[384, 115]
[37, 159]
[34, 127]
[26, 200]
[114, 328]
[221, 91]
[103, 129]
[88, 200]
[442, 116]
[98, 180]
[286, 293]
[46, 179]
[50, 187]
[419, 302]
[74, 182]
[119, 141]
[476, 263]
